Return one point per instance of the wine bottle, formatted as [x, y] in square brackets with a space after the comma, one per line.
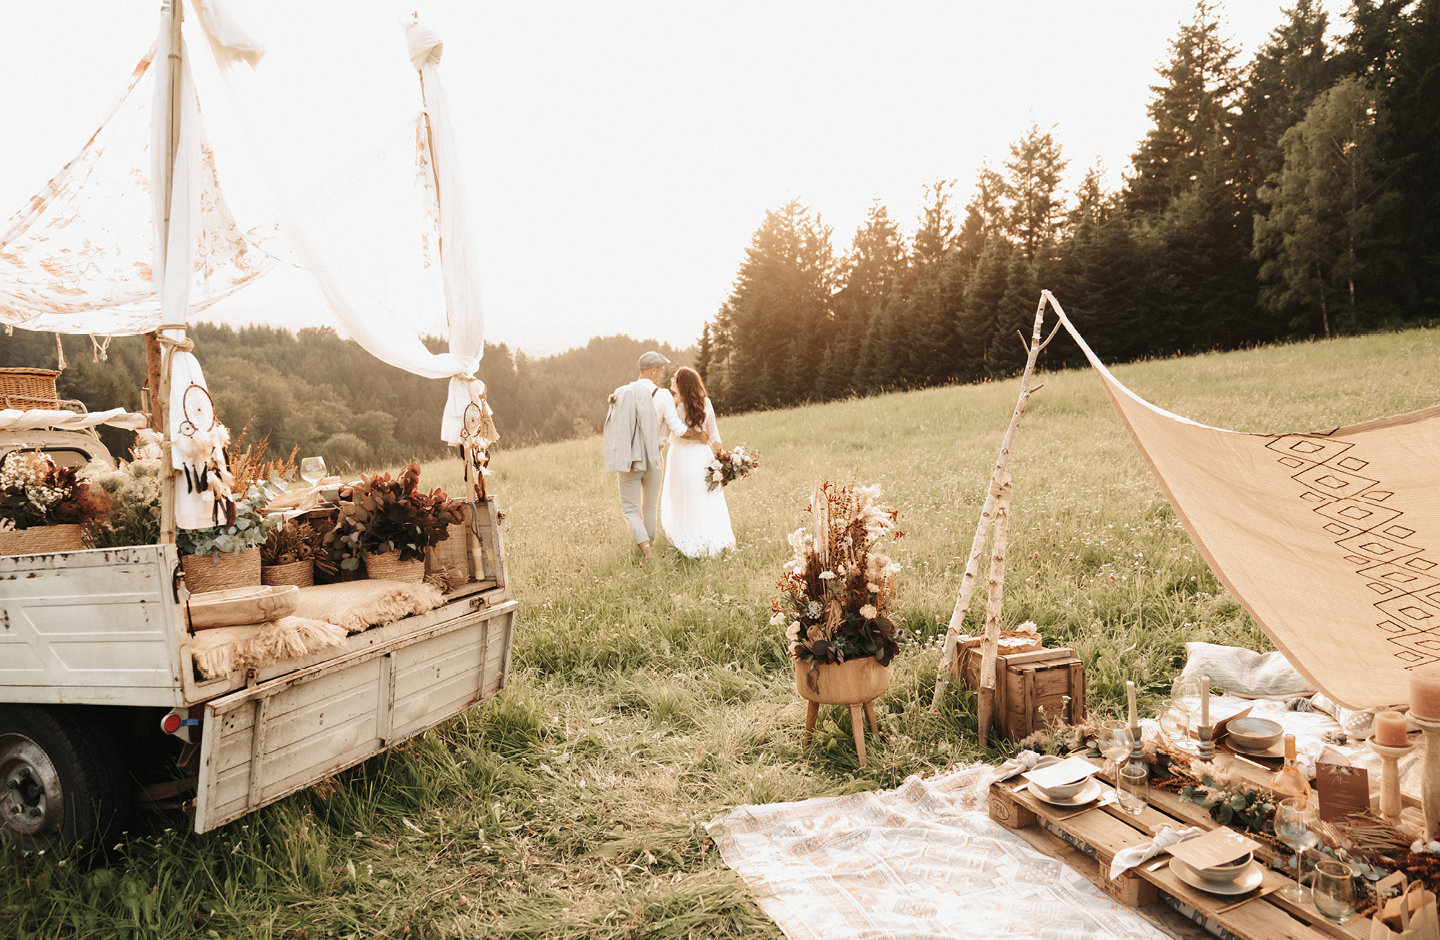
[1288, 780]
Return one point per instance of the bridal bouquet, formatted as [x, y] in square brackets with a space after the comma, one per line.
[729, 466]
[839, 587]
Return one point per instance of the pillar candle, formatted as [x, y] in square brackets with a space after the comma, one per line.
[1204, 700]
[1390, 729]
[1130, 695]
[1425, 693]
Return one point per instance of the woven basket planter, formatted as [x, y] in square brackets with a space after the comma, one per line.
[452, 556]
[41, 540]
[220, 571]
[387, 566]
[847, 683]
[298, 573]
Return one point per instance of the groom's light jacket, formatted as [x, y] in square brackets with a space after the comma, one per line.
[632, 430]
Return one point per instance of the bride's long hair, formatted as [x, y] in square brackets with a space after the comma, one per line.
[691, 389]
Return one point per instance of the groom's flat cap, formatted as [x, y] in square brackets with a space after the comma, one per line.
[652, 359]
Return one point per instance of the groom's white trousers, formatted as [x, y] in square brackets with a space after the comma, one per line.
[640, 501]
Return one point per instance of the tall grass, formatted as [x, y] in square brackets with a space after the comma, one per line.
[646, 699]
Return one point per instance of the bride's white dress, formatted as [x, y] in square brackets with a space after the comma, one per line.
[695, 518]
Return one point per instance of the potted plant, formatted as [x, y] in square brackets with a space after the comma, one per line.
[288, 554]
[44, 508]
[838, 591]
[226, 556]
[388, 523]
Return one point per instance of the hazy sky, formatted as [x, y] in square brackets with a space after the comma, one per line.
[620, 155]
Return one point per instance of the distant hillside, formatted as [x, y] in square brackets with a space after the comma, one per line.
[325, 395]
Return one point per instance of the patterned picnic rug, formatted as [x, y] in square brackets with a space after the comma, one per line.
[923, 860]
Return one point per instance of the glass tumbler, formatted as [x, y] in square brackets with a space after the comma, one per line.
[1334, 891]
[1132, 788]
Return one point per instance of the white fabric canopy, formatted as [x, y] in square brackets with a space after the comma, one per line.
[83, 254]
[13, 419]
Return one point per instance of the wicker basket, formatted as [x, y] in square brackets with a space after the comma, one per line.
[452, 556]
[298, 573]
[387, 566]
[41, 540]
[220, 570]
[28, 388]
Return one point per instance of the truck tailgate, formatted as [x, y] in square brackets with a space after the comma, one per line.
[265, 742]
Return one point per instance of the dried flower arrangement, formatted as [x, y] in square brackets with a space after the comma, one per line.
[291, 542]
[34, 492]
[249, 466]
[839, 589]
[134, 492]
[381, 514]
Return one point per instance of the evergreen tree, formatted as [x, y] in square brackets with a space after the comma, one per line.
[784, 291]
[1288, 71]
[1192, 113]
[1036, 209]
[980, 316]
[1014, 318]
[1320, 235]
[984, 217]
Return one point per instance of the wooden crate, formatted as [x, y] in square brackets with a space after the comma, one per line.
[1031, 689]
[1089, 841]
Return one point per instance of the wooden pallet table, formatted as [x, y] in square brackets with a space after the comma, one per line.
[1090, 840]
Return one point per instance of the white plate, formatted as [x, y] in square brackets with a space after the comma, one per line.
[1247, 881]
[1091, 791]
[1274, 751]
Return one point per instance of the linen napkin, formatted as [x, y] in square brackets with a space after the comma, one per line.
[1136, 854]
[1019, 764]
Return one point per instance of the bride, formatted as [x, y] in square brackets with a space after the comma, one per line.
[695, 518]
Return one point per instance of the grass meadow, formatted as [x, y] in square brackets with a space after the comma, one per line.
[645, 700]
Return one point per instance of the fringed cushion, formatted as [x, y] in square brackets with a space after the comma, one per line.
[359, 605]
[222, 650]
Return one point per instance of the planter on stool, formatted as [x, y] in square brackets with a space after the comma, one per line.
[855, 684]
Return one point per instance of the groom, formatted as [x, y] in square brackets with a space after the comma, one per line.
[641, 416]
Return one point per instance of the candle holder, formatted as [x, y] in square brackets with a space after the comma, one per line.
[1390, 779]
[1137, 751]
[1206, 734]
[1430, 786]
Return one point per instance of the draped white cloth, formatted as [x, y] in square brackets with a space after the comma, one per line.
[33, 419]
[84, 255]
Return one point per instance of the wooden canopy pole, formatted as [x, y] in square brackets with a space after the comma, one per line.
[160, 377]
[991, 648]
[948, 659]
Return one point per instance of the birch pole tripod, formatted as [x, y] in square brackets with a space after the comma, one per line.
[949, 661]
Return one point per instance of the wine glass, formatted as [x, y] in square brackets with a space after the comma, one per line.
[1113, 738]
[1335, 890]
[1186, 691]
[1297, 824]
[1175, 723]
[312, 470]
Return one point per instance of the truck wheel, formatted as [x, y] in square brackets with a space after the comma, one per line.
[62, 784]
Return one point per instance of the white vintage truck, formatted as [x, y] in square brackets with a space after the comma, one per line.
[134, 236]
[95, 670]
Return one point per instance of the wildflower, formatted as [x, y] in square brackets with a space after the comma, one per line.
[814, 609]
[869, 612]
[872, 588]
[827, 576]
[717, 476]
[793, 634]
[778, 619]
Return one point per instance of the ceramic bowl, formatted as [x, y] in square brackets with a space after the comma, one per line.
[1063, 792]
[1221, 874]
[1255, 734]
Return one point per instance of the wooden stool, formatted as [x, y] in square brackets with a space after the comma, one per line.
[855, 684]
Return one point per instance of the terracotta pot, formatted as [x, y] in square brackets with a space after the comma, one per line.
[220, 571]
[387, 566]
[847, 683]
[298, 573]
[41, 540]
